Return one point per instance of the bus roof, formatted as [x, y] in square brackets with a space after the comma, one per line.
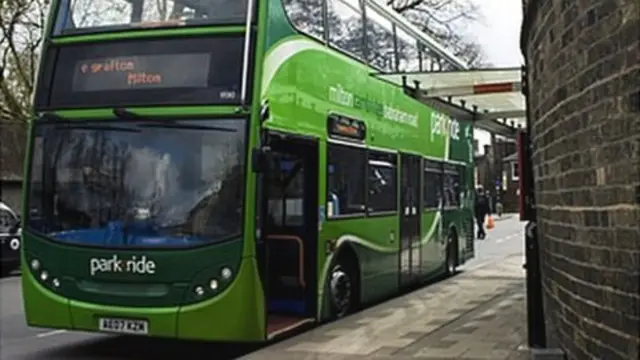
[482, 96]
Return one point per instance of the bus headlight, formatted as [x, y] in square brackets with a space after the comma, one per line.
[43, 275]
[210, 283]
[213, 284]
[35, 264]
[226, 273]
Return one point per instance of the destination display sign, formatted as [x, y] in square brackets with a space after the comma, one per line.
[345, 127]
[142, 72]
[192, 71]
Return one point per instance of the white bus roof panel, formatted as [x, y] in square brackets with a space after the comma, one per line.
[479, 95]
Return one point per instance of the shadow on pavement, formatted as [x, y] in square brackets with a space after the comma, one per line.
[123, 347]
[142, 348]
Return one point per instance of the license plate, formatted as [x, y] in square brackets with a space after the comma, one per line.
[124, 326]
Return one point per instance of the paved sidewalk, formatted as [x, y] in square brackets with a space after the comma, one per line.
[478, 314]
[505, 216]
[492, 331]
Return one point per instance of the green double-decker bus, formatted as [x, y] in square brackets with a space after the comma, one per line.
[229, 170]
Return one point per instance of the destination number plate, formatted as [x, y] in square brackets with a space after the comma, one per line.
[124, 326]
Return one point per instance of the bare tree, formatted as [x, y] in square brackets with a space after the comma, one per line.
[21, 28]
[444, 20]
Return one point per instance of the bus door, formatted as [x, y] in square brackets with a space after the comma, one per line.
[410, 214]
[289, 231]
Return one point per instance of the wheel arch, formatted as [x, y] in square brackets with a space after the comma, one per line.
[347, 252]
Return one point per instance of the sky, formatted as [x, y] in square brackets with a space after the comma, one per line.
[498, 32]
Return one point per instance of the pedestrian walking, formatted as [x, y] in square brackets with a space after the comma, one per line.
[481, 210]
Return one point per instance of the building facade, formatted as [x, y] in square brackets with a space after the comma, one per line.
[584, 113]
[511, 183]
[494, 171]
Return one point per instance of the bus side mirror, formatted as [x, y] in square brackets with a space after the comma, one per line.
[260, 160]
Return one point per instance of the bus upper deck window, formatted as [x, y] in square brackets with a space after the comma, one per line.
[87, 16]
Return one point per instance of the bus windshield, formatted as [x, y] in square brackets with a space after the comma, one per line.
[86, 16]
[138, 183]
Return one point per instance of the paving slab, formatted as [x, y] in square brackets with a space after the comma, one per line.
[477, 314]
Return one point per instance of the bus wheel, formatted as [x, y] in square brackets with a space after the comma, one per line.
[343, 289]
[452, 254]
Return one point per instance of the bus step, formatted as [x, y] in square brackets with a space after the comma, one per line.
[280, 325]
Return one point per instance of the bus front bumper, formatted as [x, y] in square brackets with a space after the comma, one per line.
[235, 315]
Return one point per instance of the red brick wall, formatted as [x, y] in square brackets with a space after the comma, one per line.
[584, 94]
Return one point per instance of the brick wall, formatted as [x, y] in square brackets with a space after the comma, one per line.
[583, 61]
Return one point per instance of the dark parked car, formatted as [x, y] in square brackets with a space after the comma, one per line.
[10, 241]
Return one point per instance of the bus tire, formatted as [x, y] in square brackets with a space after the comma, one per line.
[343, 286]
[451, 263]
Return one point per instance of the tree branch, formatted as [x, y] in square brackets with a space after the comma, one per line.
[401, 6]
[8, 32]
[443, 20]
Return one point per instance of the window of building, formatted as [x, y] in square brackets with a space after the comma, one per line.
[432, 191]
[380, 44]
[408, 59]
[515, 171]
[476, 177]
[452, 184]
[382, 186]
[306, 15]
[346, 180]
[346, 26]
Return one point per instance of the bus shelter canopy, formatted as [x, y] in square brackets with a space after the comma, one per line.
[491, 98]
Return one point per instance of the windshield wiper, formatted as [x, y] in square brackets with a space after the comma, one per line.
[53, 117]
[105, 127]
[124, 114]
[70, 124]
[188, 127]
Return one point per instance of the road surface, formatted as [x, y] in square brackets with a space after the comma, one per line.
[18, 342]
